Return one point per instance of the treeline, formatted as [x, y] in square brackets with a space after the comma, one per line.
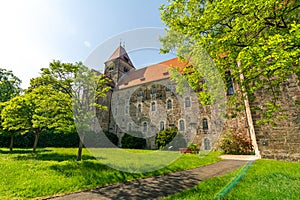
[47, 139]
[57, 109]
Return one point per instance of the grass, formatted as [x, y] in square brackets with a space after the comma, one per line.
[52, 171]
[266, 179]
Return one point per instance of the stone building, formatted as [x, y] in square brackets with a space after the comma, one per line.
[145, 101]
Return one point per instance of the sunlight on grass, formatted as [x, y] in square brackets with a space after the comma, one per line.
[54, 170]
[266, 179]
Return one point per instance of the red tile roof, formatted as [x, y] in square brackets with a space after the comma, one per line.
[149, 74]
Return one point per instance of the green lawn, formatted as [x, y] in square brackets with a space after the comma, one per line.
[266, 179]
[52, 171]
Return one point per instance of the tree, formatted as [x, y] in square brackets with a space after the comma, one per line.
[83, 87]
[262, 36]
[42, 108]
[9, 85]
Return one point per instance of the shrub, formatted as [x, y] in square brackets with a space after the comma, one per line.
[236, 144]
[131, 142]
[163, 138]
[193, 147]
[100, 139]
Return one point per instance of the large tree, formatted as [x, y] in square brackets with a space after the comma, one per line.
[257, 41]
[40, 109]
[9, 85]
[83, 87]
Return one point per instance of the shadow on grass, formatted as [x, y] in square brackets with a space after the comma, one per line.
[93, 173]
[23, 151]
[52, 156]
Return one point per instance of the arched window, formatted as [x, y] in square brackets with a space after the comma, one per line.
[139, 108]
[162, 126]
[181, 125]
[153, 106]
[169, 104]
[205, 124]
[169, 88]
[187, 102]
[140, 93]
[145, 127]
[153, 91]
[126, 109]
[206, 144]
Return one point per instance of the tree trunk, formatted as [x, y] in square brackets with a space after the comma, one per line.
[11, 142]
[37, 134]
[248, 114]
[79, 155]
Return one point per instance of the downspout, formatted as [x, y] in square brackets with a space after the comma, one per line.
[248, 113]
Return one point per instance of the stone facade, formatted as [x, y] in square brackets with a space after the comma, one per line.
[145, 101]
[282, 139]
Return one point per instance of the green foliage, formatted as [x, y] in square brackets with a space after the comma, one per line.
[163, 138]
[133, 141]
[100, 140]
[9, 85]
[193, 147]
[263, 36]
[80, 88]
[48, 138]
[112, 137]
[232, 143]
[40, 109]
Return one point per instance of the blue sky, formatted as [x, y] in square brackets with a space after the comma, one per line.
[34, 32]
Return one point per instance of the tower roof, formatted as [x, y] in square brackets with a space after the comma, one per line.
[120, 52]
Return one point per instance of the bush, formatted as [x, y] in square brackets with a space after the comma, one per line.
[236, 144]
[163, 138]
[100, 140]
[131, 142]
[47, 138]
[193, 147]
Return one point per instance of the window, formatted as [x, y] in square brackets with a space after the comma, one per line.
[145, 127]
[187, 102]
[139, 108]
[162, 126]
[229, 83]
[181, 125]
[129, 127]
[140, 93]
[126, 109]
[169, 88]
[169, 104]
[206, 144]
[153, 91]
[116, 111]
[153, 106]
[205, 124]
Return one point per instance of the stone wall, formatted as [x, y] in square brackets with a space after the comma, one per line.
[131, 112]
[282, 139]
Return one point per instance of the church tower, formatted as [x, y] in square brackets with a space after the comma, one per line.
[118, 64]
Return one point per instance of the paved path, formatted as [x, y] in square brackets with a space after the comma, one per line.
[156, 187]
